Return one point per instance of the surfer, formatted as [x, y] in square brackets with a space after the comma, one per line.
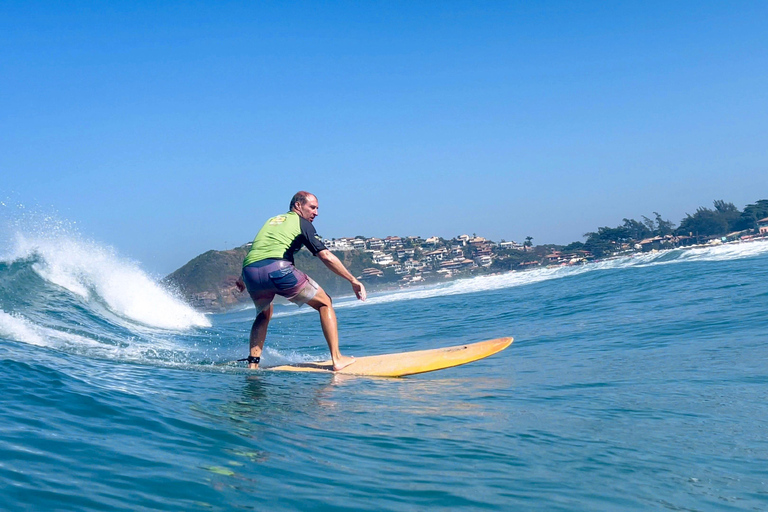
[268, 269]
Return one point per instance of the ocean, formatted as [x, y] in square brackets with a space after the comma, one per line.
[639, 383]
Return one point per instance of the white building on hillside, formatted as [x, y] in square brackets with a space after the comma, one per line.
[484, 261]
[511, 245]
[342, 244]
[382, 258]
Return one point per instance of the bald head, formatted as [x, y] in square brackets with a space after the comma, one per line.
[305, 204]
[300, 197]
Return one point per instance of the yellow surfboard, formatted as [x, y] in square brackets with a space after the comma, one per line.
[407, 363]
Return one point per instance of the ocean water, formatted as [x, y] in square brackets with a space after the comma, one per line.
[633, 384]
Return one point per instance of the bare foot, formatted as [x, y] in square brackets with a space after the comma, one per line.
[343, 362]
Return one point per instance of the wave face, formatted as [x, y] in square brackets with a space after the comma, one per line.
[62, 291]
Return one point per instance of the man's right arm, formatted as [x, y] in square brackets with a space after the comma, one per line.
[337, 267]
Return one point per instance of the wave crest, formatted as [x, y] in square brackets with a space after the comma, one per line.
[97, 275]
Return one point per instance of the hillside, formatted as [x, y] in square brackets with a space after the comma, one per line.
[208, 280]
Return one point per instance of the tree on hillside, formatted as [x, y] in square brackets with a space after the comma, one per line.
[706, 222]
[638, 230]
[751, 214]
[618, 234]
[663, 227]
[528, 243]
[729, 212]
[573, 247]
[656, 227]
[605, 240]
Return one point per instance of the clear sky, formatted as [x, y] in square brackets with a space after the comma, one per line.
[166, 129]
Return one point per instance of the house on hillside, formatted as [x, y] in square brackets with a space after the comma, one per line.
[463, 239]
[554, 257]
[371, 273]
[651, 244]
[483, 260]
[399, 269]
[511, 245]
[341, 244]
[382, 258]
[410, 264]
[436, 255]
[394, 242]
[450, 265]
[483, 250]
[762, 225]
[403, 253]
[375, 244]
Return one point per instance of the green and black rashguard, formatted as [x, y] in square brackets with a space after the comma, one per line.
[281, 237]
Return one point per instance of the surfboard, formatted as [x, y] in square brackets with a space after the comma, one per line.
[406, 363]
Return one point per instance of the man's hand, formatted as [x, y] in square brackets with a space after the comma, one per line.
[239, 284]
[359, 289]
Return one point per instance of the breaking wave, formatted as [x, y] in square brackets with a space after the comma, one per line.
[61, 291]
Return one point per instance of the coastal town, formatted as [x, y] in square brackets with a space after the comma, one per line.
[415, 260]
[208, 280]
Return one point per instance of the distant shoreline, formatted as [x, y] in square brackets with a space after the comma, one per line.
[526, 270]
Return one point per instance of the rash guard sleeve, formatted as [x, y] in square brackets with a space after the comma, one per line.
[311, 239]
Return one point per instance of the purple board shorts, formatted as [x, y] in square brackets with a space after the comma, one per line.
[266, 278]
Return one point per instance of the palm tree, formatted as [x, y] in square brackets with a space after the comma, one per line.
[527, 243]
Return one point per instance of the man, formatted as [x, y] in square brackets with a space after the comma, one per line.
[268, 270]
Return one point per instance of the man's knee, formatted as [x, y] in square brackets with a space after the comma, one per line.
[320, 300]
[263, 309]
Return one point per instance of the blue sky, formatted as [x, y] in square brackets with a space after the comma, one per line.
[166, 129]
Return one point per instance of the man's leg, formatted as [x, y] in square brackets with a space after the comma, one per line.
[259, 330]
[323, 304]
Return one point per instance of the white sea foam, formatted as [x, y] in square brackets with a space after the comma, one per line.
[91, 270]
[725, 252]
[275, 357]
[16, 327]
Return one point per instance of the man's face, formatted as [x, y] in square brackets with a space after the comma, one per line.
[307, 210]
